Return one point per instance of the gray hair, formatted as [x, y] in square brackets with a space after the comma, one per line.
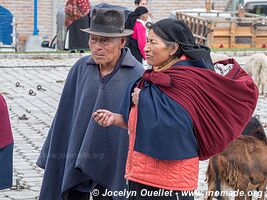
[168, 43]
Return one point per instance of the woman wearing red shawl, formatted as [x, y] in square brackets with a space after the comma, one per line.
[183, 110]
[6, 147]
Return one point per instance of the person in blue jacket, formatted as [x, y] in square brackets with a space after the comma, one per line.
[80, 156]
[6, 147]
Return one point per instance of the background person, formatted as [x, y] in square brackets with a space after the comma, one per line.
[140, 3]
[180, 112]
[77, 154]
[77, 18]
[6, 147]
[144, 3]
[137, 40]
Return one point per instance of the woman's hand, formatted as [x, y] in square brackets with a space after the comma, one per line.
[135, 96]
[104, 117]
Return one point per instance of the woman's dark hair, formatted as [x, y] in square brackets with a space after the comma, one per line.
[129, 24]
[137, 2]
[173, 30]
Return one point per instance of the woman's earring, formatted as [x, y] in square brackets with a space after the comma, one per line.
[172, 52]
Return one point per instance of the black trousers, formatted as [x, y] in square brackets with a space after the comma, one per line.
[145, 192]
[78, 195]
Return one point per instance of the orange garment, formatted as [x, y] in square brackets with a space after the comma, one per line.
[179, 175]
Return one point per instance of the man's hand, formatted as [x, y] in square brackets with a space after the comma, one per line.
[104, 117]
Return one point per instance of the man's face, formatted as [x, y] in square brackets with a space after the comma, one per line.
[105, 50]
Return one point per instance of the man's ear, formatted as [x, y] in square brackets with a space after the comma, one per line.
[174, 49]
[123, 41]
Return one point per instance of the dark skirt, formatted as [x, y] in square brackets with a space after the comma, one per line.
[78, 40]
[6, 166]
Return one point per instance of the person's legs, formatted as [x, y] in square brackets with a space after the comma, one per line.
[77, 195]
[145, 192]
[101, 190]
[182, 196]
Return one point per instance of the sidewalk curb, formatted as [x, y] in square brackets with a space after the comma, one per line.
[78, 55]
[239, 53]
[41, 55]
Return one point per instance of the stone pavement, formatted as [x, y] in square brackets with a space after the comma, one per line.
[31, 116]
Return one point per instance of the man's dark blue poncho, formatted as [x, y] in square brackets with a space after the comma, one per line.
[78, 153]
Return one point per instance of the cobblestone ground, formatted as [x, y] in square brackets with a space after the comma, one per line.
[31, 116]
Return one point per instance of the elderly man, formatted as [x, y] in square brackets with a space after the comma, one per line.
[79, 155]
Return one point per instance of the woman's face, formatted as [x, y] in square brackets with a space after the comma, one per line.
[157, 53]
[143, 3]
[144, 17]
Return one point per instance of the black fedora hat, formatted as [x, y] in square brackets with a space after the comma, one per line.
[108, 23]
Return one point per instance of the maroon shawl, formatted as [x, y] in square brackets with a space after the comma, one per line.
[220, 106]
[5, 128]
